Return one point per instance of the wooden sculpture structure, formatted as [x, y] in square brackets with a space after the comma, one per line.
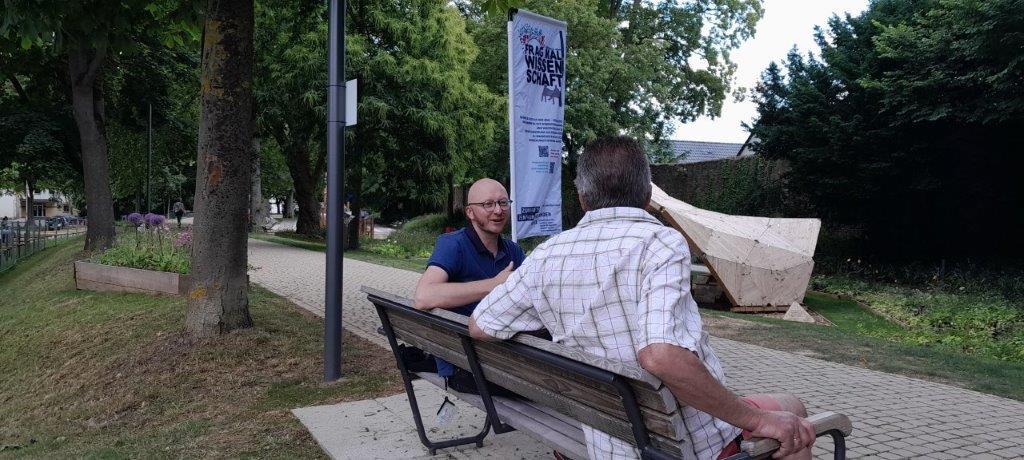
[762, 263]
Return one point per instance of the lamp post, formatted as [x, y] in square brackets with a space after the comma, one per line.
[149, 164]
[335, 187]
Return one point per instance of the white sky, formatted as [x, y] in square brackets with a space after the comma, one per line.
[785, 23]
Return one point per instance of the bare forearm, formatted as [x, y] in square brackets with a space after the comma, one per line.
[693, 385]
[452, 295]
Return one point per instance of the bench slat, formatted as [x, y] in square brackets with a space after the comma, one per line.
[617, 427]
[626, 369]
[502, 365]
[660, 400]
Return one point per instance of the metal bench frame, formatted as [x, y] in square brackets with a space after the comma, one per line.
[640, 434]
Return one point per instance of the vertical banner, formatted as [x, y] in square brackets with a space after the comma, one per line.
[536, 113]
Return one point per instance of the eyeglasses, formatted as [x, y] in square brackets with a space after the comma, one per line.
[489, 204]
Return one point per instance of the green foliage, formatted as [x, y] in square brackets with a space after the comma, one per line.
[746, 187]
[958, 60]
[156, 249]
[977, 323]
[435, 223]
[633, 67]
[275, 180]
[906, 126]
[404, 244]
[166, 79]
[424, 123]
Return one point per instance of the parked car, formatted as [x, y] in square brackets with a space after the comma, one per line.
[48, 223]
[71, 219]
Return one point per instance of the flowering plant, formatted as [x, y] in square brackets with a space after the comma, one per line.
[146, 248]
[135, 219]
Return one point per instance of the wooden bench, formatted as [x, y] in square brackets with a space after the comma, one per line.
[561, 387]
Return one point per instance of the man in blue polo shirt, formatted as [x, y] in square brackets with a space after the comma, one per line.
[468, 263]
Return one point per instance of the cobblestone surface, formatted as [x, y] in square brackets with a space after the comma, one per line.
[893, 416]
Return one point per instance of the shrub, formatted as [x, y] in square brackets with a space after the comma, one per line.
[427, 222]
[158, 248]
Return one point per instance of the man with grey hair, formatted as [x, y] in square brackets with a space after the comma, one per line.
[618, 286]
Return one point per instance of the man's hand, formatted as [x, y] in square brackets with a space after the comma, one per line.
[792, 432]
[502, 275]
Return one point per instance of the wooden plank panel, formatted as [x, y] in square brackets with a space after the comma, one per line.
[550, 377]
[135, 280]
[626, 369]
[616, 425]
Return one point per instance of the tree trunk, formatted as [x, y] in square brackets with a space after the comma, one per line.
[357, 196]
[304, 181]
[259, 208]
[289, 205]
[29, 203]
[218, 300]
[87, 102]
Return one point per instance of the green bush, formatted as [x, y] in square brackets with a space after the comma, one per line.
[427, 222]
[158, 249]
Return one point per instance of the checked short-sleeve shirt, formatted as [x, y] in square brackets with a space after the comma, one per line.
[616, 283]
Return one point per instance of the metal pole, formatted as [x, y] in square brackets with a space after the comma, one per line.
[335, 187]
[149, 164]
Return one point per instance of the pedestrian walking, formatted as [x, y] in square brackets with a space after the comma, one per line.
[179, 211]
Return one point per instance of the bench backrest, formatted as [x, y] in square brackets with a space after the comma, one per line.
[578, 385]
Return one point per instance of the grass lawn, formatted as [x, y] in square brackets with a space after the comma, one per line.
[416, 264]
[853, 340]
[109, 375]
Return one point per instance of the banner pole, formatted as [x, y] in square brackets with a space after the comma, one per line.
[512, 131]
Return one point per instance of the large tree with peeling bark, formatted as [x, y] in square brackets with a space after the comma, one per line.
[218, 300]
[86, 34]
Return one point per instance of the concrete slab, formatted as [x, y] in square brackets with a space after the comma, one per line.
[797, 313]
[383, 428]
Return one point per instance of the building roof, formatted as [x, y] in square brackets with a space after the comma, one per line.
[697, 151]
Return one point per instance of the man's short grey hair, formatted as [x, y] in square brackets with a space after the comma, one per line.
[613, 172]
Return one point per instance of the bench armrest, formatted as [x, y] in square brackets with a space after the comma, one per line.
[823, 422]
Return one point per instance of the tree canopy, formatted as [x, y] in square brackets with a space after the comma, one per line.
[904, 127]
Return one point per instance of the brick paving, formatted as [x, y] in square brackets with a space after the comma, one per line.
[893, 416]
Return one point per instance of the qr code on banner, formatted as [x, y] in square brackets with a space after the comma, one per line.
[542, 151]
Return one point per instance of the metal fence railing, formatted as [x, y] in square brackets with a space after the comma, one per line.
[19, 239]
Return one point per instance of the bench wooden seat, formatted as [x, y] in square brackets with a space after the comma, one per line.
[561, 387]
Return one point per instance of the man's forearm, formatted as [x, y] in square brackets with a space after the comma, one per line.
[692, 384]
[452, 295]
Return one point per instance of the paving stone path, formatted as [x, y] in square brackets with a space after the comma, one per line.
[894, 416]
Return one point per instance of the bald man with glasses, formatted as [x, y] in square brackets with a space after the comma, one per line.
[467, 264]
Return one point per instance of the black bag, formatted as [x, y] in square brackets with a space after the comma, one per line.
[416, 360]
[463, 382]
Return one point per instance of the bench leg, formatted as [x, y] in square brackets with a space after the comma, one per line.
[432, 446]
[481, 387]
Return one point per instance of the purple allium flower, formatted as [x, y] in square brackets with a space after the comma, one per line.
[135, 218]
[154, 220]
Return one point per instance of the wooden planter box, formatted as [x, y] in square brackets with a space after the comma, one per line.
[97, 277]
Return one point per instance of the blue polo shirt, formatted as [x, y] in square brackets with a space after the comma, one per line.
[463, 256]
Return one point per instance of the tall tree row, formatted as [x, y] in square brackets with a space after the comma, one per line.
[85, 37]
[904, 130]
